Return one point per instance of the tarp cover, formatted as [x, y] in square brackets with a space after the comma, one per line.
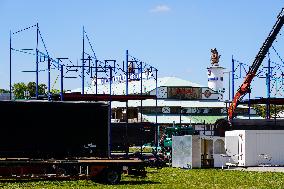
[182, 151]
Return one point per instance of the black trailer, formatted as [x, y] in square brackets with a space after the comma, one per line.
[42, 129]
[132, 134]
[59, 138]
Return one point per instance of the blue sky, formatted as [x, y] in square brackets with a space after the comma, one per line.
[174, 36]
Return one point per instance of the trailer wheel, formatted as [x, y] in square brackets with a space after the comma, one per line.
[112, 176]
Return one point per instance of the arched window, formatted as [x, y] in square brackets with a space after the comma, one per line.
[219, 147]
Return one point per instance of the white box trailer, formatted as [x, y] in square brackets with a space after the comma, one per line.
[255, 147]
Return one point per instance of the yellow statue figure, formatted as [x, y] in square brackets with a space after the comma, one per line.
[215, 56]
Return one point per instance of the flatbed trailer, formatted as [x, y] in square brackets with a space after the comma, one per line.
[97, 169]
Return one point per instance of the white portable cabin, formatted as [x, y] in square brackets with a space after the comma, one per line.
[197, 151]
[255, 147]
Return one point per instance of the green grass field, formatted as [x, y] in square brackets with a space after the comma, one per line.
[171, 178]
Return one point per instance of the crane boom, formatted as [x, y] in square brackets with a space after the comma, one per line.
[245, 86]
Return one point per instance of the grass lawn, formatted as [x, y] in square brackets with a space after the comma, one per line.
[171, 178]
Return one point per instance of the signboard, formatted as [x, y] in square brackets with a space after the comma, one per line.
[184, 93]
[207, 93]
[122, 77]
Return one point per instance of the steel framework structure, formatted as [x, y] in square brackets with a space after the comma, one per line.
[94, 68]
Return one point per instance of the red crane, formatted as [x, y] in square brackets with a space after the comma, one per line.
[245, 86]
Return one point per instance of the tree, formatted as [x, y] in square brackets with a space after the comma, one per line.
[4, 91]
[31, 87]
[19, 90]
[274, 110]
[41, 89]
[55, 91]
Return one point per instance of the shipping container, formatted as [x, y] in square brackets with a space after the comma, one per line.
[255, 147]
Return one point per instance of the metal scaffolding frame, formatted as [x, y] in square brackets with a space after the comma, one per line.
[273, 73]
[96, 69]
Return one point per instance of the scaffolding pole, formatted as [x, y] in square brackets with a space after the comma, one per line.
[61, 84]
[233, 77]
[37, 31]
[83, 59]
[10, 66]
[126, 124]
[48, 83]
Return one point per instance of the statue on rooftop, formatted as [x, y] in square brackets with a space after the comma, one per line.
[215, 57]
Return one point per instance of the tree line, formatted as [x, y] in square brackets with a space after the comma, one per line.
[274, 110]
[27, 91]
